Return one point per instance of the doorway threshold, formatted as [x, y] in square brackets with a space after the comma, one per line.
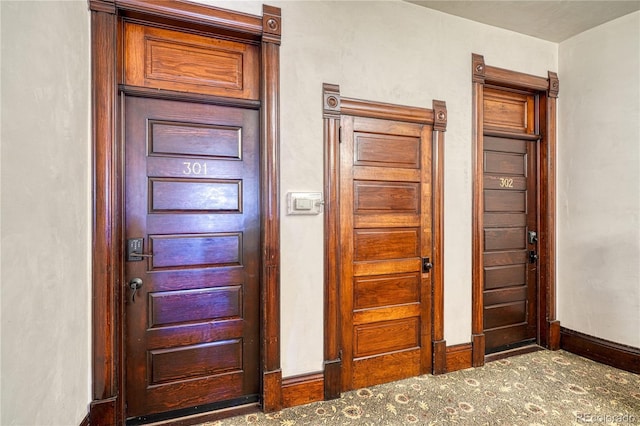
[512, 352]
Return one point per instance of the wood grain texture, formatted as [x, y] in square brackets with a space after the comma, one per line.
[362, 108]
[331, 125]
[547, 235]
[189, 259]
[214, 19]
[546, 90]
[386, 368]
[107, 332]
[105, 241]
[165, 59]
[104, 412]
[304, 389]
[554, 333]
[477, 349]
[614, 354]
[508, 78]
[439, 357]
[511, 113]
[477, 218]
[270, 209]
[377, 260]
[435, 299]
[272, 391]
[459, 357]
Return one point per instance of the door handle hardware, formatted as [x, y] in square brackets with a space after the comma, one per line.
[134, 250]
[533, 256]
[142, 254]
[533, 237]
[135, 284]
[426, 265]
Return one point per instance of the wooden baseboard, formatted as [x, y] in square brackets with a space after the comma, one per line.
[604, 351]
[300, 390]
[459, 357]
[85, 421]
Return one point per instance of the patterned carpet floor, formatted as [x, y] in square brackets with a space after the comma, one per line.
[540, 388]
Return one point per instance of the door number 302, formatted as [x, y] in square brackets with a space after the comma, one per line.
[194, 168]
[506, 183]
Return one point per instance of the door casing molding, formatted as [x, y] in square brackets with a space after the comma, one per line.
[547, 90]
[108, 355]
[334, 105]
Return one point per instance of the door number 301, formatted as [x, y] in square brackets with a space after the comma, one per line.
[506, 183]
[194, 168]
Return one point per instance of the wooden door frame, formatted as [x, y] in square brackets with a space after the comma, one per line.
[334, 105]
[108, 357]
[547, 90]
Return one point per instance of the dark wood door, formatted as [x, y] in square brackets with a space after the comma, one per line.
[385, 222]
[510, 268]
[191, 183]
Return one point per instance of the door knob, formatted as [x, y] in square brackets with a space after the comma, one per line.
[426, 265]
[135, 284]
[533, 256]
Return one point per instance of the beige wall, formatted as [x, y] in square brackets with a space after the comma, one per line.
[391, 52]
[45, 213]
[385, 51]
[599, 182]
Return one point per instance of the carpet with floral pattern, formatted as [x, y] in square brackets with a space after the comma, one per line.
[540, 388]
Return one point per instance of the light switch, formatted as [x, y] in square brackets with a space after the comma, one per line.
[304, 203]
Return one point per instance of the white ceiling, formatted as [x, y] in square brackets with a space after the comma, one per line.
[549, 20]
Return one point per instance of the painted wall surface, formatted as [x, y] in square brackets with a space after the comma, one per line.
[385, 51]
[390, 52]
[598, 197]
[45, 213]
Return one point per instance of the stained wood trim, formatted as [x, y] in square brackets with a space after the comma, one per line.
[507, 78]
[504, 134]
[361, 108]
[334, 106]
[604, 351]
[439, 356]
[437, 211]
[459, 357]
[547, 89]
[105, 231]
[303, 389]
[553, 340]
[332, 361]
[270, 211]
[107, 312]
[189, 97]
[477, 275]
[104, 412]
[549, 331]
[194, 13]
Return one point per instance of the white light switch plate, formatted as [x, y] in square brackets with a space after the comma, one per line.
[304, 203]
